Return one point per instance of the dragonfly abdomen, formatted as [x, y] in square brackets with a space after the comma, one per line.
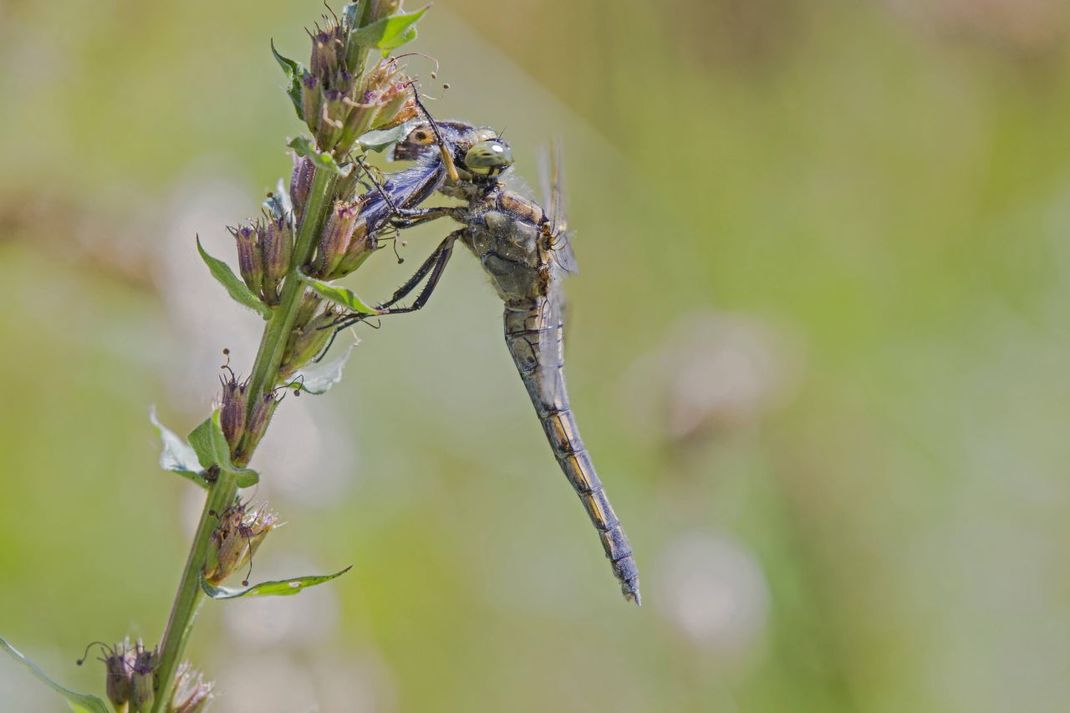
[571, 454]
[534, 337]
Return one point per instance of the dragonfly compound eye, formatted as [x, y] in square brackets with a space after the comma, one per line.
[488, 158]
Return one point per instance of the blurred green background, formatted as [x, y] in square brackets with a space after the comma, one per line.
[819, 351]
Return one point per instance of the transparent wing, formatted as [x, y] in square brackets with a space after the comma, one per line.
[552, 179]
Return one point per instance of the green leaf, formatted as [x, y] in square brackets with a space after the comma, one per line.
[389, 32]
[384, 138]
[177, 456]
[403, 39]
[79, 702]
[212, 449]
[237, 289]
[274, 588]
[293, 72]
[305, 146]
[339, 295]
[318, 377]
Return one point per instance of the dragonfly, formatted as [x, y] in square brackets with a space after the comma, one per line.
[527, 253]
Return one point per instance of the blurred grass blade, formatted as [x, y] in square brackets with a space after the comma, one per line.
[318, 378]
[339, 295]
[177, 456]
[79, 702]
[212, 449]
[293, 72]
[274, 588]
[234, 285]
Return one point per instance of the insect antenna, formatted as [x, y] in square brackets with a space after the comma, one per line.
[447, 159]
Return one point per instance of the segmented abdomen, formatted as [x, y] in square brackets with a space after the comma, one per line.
[534, 335]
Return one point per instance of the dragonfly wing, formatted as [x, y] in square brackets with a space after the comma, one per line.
[551, 177]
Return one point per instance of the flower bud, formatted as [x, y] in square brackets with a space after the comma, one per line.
[301, 183]
[276, 247]
[328, 125]
[307, 307]
[306, 343]
[361, 246]
[311, 100]
[119, 665]
[325, 53]
[142, 685]
[250, 260]
[256, 425]
[336, 235]
[191, 692]
[232, 410]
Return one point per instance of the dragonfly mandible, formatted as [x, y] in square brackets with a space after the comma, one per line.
[526, 252]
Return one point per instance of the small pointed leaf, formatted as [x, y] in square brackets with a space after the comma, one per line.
[212, 449]
[306, 147]
[293, 72]
[318, 377]
[339, 295]
[275, 588]
[78, 702]
[389, 32]
[177, 456]
[237, 289]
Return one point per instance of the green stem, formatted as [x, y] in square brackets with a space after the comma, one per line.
[277, 331]
[189, 597]
[264, 378]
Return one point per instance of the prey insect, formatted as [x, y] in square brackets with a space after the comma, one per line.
[526, 252]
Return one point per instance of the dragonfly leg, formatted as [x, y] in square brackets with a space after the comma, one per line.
[436, 265]
[409, 217]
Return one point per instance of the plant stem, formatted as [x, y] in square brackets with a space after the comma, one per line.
[189, 597]
[277, 331]
[264, 378]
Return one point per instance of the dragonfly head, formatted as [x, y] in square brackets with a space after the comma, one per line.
[488, 157]
[422, 139]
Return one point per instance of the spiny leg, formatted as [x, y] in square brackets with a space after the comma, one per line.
[436, 265]
[410, 217]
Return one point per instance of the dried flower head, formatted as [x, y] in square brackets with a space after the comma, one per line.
[236, 539]
[191, 693]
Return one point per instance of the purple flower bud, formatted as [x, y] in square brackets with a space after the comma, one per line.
[250, 260]
[324, 60]
[191, 693]
[361, 246]
[335, 238]
[328, 125]
[232, 411]
[301, 183]
[119, 664]
[311, 99]
[276, 247]
[310, 302]
[143, 691]
[256, 425]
